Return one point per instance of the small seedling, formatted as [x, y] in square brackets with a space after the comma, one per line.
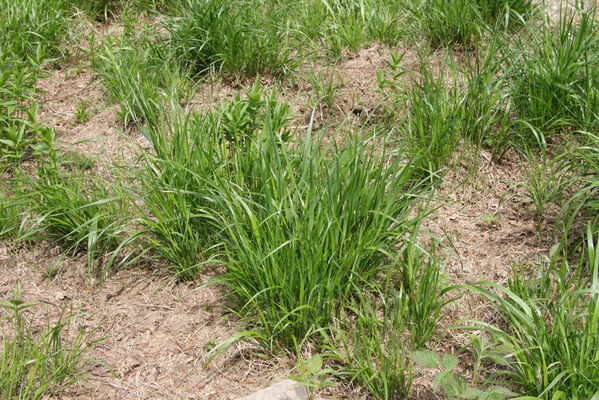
[313, 375]
[326, 84]
[452, 383]
[82, 112]
[489, 219]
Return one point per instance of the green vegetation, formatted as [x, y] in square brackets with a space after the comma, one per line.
[555, 357]
[553, 79]
[139, 74]
[313, 227]
[35, 362]
[232, 37]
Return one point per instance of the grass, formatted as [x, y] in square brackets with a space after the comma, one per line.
[465, 22]
[36, 363]
[553, 76]
[349, 25]
[300, 226]
[552, 357]
[18, 110]
[178, 180]
[584, 162]
[9, 214]
[374, 349]
[34, 28]
[77, 209]
[232, 37]
[139, 73]
[448, 22]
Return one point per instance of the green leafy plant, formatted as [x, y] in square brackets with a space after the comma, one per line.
[82, 113]
[313, 375]
[18, 110]
[466, 21]
[34, 28]
[454, 385]
[354, 23]
[583, 163]
[299, 225]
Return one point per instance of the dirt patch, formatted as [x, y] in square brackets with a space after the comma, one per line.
[156, 330]
[100, 134]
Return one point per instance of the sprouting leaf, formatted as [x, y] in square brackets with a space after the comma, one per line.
[449, 362]
[426, 358]
[314, 364]
[498, 393]
[498, 358]
[470, 393]
[441, 380]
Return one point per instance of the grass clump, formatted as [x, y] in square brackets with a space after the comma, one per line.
[340, 24]
[194, 151]
[33, 28]
[583, 203]
[233, 37]
[448, 22]
[557, 356]
[377, 329]
[299, 226]
[77, 209]
[310, 231]
[17, 108]
[464, 22]
[37, 363]
[553, 76]
[10, 219]
[139, 73]
[373, 348]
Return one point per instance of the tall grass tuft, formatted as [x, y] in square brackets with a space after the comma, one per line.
[584, 202]
[448, 22]
[139, 72]
[77, 209]
[233, 37]
[193, 151]
[309, 230]
[373, 346]
[434, 123]
[465, 22]
[10, 219]
[554, 76]
[299, 225]
[33, 28]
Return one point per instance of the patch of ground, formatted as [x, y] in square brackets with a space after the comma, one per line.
[158, 330]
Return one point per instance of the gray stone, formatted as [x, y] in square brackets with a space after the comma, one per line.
[284, 390]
